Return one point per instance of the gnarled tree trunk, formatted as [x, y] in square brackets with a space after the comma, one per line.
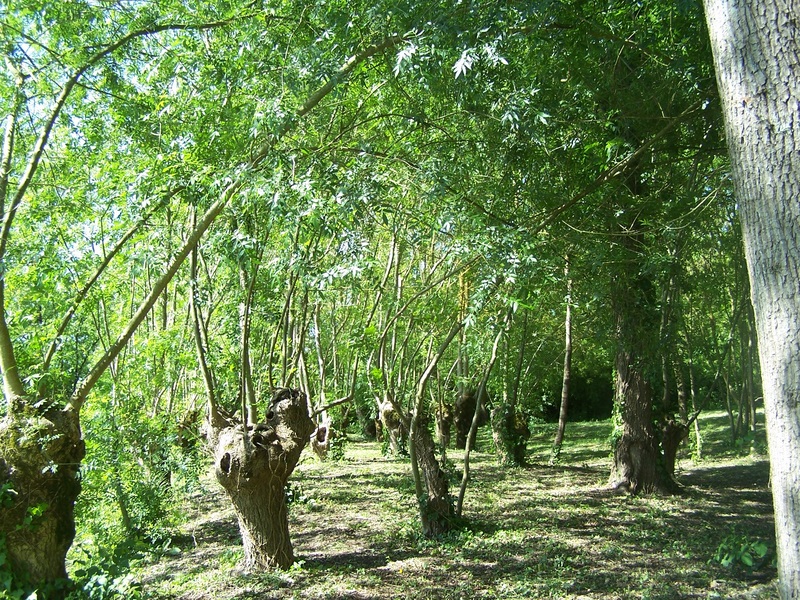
[510, 433]
[254, 469]
[39, 461]
[393, 428]
[638, 462]
[436, 509]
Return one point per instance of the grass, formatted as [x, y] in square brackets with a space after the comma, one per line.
[533, 532]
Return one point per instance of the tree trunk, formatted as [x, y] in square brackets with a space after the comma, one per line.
[638, 463]
[393, 428]
[562, 412]
[254, 470]
[756, 46]
[435, 510]
[430, 482]
[509, 430]
[39, 460]
[463, 413]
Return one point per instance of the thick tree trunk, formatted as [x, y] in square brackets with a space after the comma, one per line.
[39, 460]
[463, 413]
[756, 49]
[393, 428]
[436, 509]
[638, 465]
[509, 430]
[510, 434]
[254, 470]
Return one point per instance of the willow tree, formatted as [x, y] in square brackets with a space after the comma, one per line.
[757, 54]
[118, 54]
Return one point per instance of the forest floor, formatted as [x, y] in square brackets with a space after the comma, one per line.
[532, 532]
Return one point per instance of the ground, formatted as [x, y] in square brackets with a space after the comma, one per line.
[533, 532]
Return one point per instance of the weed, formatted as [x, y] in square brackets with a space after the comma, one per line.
[104, 573]
[737, 551]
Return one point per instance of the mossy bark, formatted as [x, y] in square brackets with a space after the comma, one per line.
[510, 434]
[39, 465]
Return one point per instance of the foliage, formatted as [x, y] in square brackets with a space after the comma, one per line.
[737, 551]
[103, 573]
[445, 179]
[338, 445]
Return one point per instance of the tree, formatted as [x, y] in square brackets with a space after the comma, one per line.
[562, 412]
[756, 48]
[40, 432]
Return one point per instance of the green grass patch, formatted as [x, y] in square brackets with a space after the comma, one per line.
[532, 532]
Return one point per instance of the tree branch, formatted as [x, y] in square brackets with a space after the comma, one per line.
[44, 135]
[81, 295]
[614, 170]
[83, 389]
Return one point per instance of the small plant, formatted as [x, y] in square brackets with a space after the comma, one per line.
[296, 495]
[337, 446]
[736, 550]
[103, 573]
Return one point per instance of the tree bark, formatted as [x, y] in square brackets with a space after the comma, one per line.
[254, 469]
[637, 456]
[562, 412]
[430, 482]
[638, 465]
[756, 48]
[39, 459]
[435, 508]
[510, 432]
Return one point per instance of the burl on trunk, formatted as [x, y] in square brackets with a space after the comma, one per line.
[254, 468]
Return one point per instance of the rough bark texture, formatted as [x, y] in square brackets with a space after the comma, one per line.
[39, 459]
[637, 457]
[672, 434]
[756, 49]
[510, 434]
[436, 512]
[463, 413]
[444, 422]
[638, 464]
[254, 470]
[394, 428]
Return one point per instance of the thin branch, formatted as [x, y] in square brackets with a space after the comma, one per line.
[418, 399]
[473, 428]
[12, 383]
[41, 141]
[315, 98]
[81, 295]
[200, 339]
[614, 171]
[83, 389]
[425, 290]
[79, 396]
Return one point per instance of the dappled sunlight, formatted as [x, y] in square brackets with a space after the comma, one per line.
[533, 531]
